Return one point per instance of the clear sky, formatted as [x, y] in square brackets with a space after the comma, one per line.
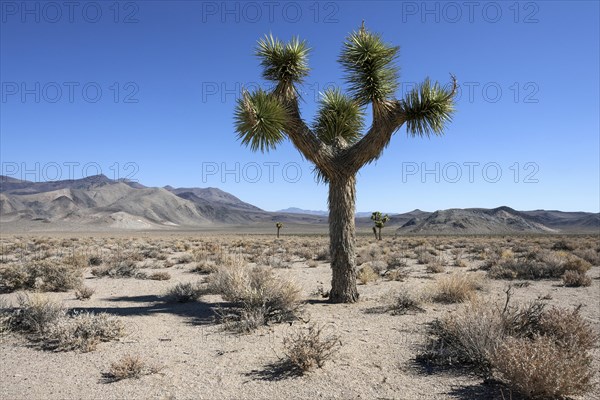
[147, 89]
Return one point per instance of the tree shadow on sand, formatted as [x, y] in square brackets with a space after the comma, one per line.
[196, 312]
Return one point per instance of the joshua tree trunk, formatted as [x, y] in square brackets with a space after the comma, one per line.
[278, 233]
[342, 196]
[379, 233]
[375, 232]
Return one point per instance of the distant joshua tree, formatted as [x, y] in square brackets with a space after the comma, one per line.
[380, 222]
[278, 225]
[335, 142]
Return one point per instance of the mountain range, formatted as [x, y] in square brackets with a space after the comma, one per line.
[100, 203]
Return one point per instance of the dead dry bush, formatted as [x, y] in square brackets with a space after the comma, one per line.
[576, 279]
[124, 268]
[129, 367]
[84, 292]
[537, 352]
[307, 349]
[456, 287]
[256, 295]
[366, 274]
[82, 331]
[45, 276]
[185, 292]
[539, 369]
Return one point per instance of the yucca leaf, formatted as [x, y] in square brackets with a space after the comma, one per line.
[260, 120]
[371, 73]
[427, 108]
[283, 62]
[338, 116]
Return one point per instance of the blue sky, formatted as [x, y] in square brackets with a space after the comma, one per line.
[147, 90]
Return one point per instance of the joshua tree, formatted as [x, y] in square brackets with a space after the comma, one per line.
[278, 225]
[335, 142]
[379, 221]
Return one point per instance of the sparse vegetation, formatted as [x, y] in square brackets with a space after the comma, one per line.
[44, 275]
[185, 292]
[129, 367]
[309, 348]
[257, 296]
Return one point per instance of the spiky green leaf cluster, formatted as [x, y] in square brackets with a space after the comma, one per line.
[260, 120]
[283, 62]
[427, 109]
[368, 61]
[338, 116]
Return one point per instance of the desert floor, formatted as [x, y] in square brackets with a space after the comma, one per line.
[198, 358]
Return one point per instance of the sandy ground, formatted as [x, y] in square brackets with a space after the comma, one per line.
[200, 360]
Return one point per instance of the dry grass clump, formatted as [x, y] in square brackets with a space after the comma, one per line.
[307, 349]
[468, 337]
[576, 279]
[49, 325]
[45, 275]
[185, 292]
[36, 313]
[257, 296]
[205, 267]
[125, 268]
[539, 368]
[456, 288]
[590, 255]
[159, 276]
[535, 265]
[406, 302]
[83, 331]
[435, 267]
[84, 292]
[366, 274]
[6, 318]
[537, 352]
[129, 367]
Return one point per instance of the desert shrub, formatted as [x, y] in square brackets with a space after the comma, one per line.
[539, 368]
[573, 278]
[129, 367]
[205, 267]
[84, 292]
[184, 292]
[82, 331]
[536, 351]
[36, 313]
[545, 265]
[119, 269]
[396, 275]
[304, 252]
[563, 245]
[323, 255]
[307, 349]
[159, 276]
[567, 328]
[435, 267]
[185, 258]
[6, 318]
[44, 275]
[424, 258]
[255, 292]
[456, 288]
[405, 302]
[590, 255]
[366, 274]
[577, 264]
[312, 264]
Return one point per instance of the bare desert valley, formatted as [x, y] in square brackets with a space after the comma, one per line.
[246, 316]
